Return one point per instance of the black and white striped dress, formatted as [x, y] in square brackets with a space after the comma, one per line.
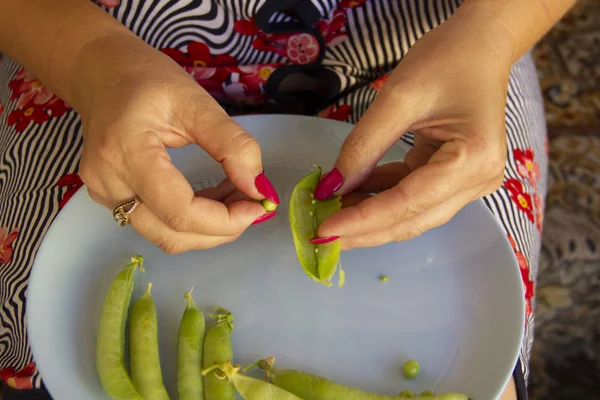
[241, 51]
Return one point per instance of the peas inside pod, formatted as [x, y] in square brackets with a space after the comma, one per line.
[319, 261]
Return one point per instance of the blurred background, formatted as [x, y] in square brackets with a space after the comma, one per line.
[565, 361]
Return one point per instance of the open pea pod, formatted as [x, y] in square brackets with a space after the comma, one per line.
[306, 214]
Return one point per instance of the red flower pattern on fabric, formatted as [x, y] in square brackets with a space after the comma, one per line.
[6, 240]
[247, 27]
[299, 48]
[31, 89]
[198, 56]
[22, 117]
[73, 183]
[526, 165]
[333, 29]
[302, 49]
[351, 3]
[528, 284]
[520, 197]
[22, 379]
[35, 101]
[340, 113]
[378, 83]
[57, 107]
[1, 108]
[246, 83]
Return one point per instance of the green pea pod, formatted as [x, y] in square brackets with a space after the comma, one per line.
[143, 345]
[190, 383]
[312, 387]
[110, 345]
[306, 214]
[218, 350]
[250, 388]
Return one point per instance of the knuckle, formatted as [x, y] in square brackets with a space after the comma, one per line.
[177, 221]
[354, 150]
[404, 207]
[245, 144]
[169, 245]
[409, 232]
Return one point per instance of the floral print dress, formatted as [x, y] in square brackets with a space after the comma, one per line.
[243, 52]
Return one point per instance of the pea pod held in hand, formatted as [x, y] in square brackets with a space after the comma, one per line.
[143, 345]
[110, 346]
[319, 261]
[250, 388]
[218, 350]
[312, 387]
[190, 383]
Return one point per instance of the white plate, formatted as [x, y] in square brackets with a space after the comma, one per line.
[454, 301]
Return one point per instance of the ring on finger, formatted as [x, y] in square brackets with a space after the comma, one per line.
[123, 210]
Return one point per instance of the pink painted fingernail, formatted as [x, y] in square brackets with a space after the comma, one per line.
[265, 187]
[264, 217]
[323, 240]
[329, 184]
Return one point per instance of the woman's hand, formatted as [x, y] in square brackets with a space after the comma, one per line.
[451, 90]
[141, 103]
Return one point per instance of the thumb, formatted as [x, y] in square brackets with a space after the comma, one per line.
[378, 129]
[237, 151]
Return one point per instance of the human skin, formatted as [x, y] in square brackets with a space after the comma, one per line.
[450, 89]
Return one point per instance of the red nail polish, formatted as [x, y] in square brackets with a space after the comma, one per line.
[265, 187]
[265, 217]
[323, 240]
[329, 184]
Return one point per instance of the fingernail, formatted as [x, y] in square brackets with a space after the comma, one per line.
[323, 240]
[329, 184]
[265, 217]
[265, 187]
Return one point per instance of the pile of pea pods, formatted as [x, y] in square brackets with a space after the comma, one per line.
[204, 358]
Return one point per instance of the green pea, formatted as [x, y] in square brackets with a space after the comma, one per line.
[218, 350]
[143, 345]
[427, 393]
[384, 278]
[319, 262]
[411, 369]
[269, 205]
[250, 388]
[312, 387]
[190, 383]
[407, 393]
[110, 345]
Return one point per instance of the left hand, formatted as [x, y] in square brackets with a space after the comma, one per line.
[450, 89]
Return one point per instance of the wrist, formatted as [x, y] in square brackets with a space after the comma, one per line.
[109, 64]
[487, 33]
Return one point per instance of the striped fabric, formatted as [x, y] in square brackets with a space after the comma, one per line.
[365, 40]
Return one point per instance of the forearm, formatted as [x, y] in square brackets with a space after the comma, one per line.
[516, 24]
[60, 42]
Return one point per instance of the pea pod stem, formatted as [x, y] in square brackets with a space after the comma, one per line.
[218, 350]
[110, 345]
[190, 341]
[250, 388]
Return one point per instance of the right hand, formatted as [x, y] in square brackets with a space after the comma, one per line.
[134, 111]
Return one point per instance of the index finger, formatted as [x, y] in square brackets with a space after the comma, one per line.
[424, 188]
[167, 193]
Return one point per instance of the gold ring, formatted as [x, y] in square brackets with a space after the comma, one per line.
[122, 212]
